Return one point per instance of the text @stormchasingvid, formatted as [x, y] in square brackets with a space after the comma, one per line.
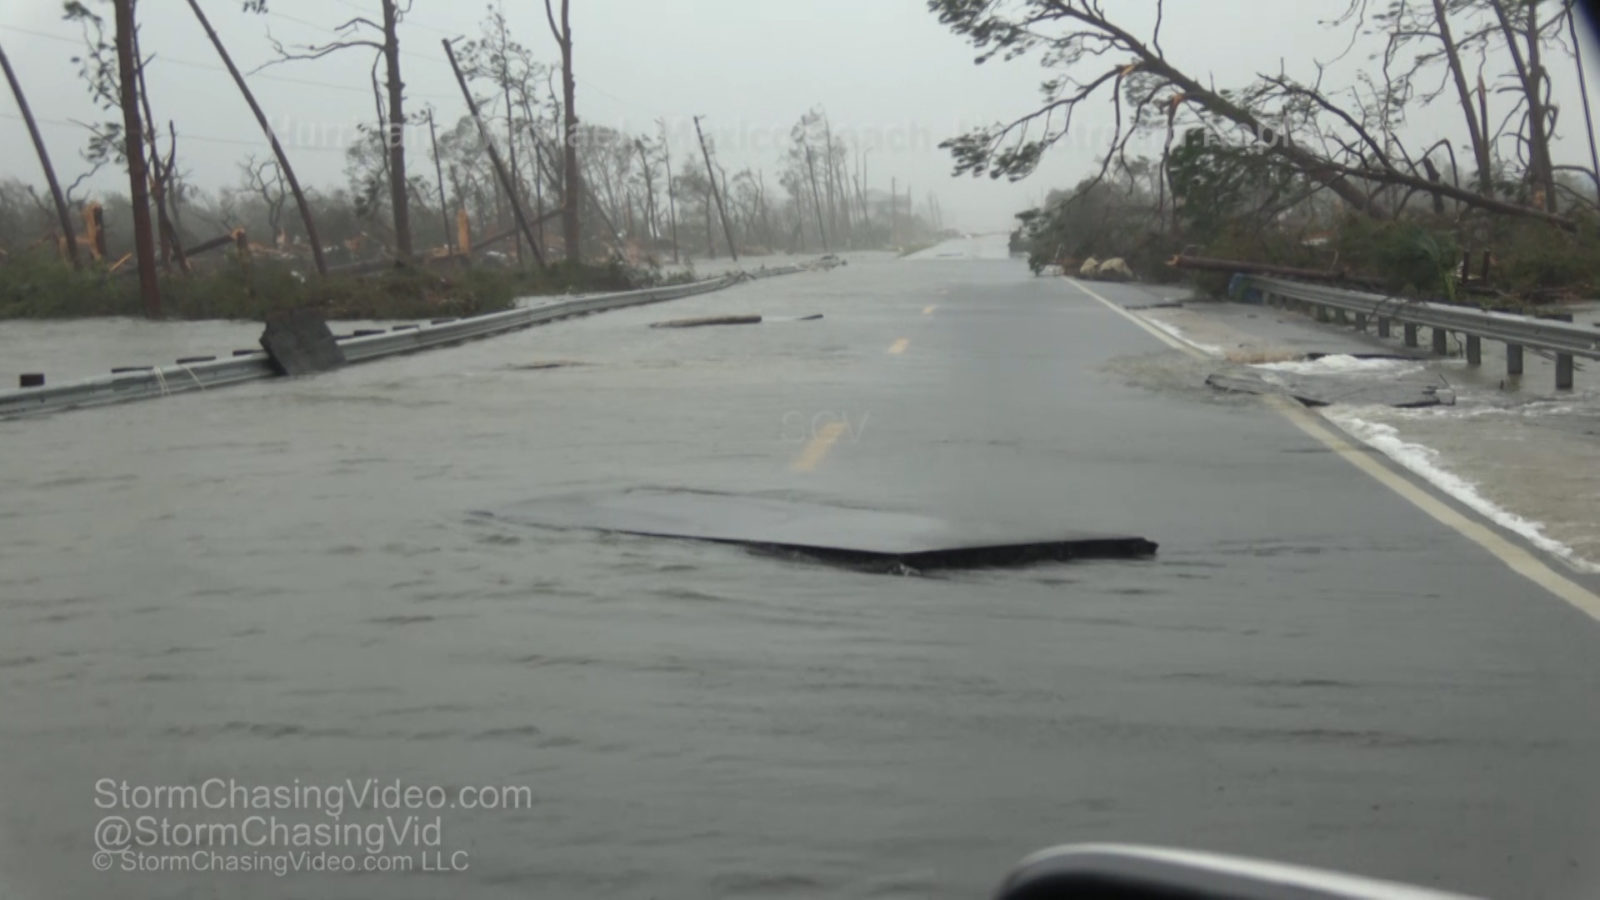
[225, 826]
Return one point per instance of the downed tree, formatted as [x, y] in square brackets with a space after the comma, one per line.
[272, 139]
[63, 217]
[1341, 150]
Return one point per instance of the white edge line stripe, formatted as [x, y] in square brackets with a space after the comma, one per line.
[1515, 557]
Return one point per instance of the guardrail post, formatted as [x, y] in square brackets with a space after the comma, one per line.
[1361, 322]
[1383, 327]
[1513, 359]
[1322, 313]
[1411, 335]
[1563, 371]
[1474, 350]
[1441, 342]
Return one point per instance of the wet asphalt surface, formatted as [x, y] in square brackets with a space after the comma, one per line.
[286, 581]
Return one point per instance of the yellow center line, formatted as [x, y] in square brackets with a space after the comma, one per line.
[1517, 558]
[899, 347]
[928, 310]
[817, 450]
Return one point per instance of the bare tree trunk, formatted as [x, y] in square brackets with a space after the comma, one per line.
[1583, 89]
[650, 191]
[730, 221]
[816, 197]
[395, 134]
[572, 193]
[511, 151]
[1531, 76]
[1476, 130]
[63, 217]
[711, 176]
[133, 145]
[438, 170]
[894, 211]
[272, 138]
[767, 237]
[587, 185]
[1540, 124]
[838, 194]
[176, 186]
[672, 201]
[538, 192]
[169, 243]
[488, 144]
[861, 195]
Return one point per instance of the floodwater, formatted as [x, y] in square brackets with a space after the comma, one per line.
[1514, 449]
[283, 584]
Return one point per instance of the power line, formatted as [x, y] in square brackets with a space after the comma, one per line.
[41, 34]
[407, 20]
[335, 32]
[214, 67]
[183, 135]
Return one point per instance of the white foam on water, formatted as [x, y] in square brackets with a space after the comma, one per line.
[1343, 364]
[1531, 410]
[1177, 333]
[1424, 462]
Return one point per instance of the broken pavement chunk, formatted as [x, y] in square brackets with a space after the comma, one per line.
[299, 342]
[1403, 392]
[880, 540]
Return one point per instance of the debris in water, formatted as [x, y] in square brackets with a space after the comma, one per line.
[712, 320]
[1401, 391]
[550, 364]
[877, 540]
[1257, 357]
[299, 342]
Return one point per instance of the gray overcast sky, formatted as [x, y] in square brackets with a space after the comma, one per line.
[886, 71]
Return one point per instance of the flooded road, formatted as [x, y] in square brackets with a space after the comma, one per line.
[283, 584]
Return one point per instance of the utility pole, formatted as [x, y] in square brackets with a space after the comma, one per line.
[711, 176]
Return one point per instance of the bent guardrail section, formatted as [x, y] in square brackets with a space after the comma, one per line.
[158, 381]
[1562, 340]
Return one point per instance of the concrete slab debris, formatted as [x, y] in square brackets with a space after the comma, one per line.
[1405, 391]
[299, 342]
[876, 540]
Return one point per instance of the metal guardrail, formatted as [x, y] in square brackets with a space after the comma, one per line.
[158, 381]
[1563, 340]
